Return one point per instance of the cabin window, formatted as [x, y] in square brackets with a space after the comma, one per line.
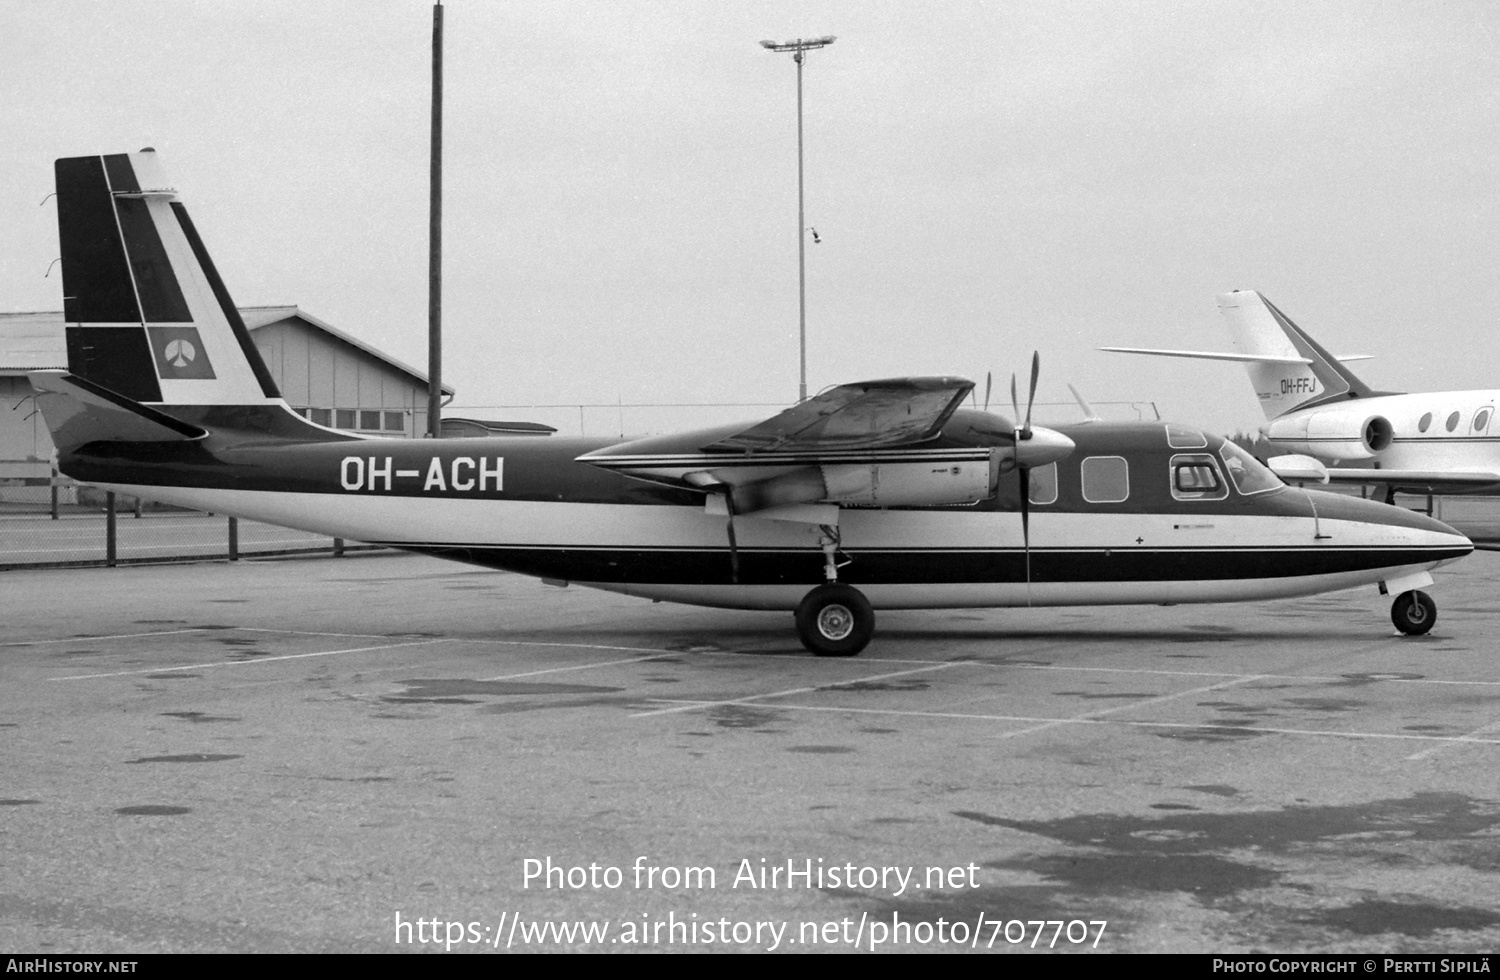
[1106, 479]
[1249, 474]
[1043, 485]
[1426, 423]
[1452, 422]
[1482, 420]
[1182, 437]
[1195, 477]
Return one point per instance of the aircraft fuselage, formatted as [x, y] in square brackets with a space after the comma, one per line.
[1109, 527]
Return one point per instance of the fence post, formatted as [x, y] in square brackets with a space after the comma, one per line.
[338, 547]
[234, 539]
[54, 501]
[109, 528]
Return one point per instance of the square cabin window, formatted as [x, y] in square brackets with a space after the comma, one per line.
[1106, 479]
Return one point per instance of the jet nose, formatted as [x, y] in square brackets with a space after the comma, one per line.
[1045, 446]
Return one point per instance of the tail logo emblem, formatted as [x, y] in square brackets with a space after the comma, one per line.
[180, 352]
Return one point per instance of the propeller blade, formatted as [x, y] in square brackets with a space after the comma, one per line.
[734, 550]
[1036, 370]
[1014, 404]
[989, 378]
[1024, 473]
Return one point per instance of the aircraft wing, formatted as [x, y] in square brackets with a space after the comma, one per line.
[865, 415]
[1471, 478]
[857, 444]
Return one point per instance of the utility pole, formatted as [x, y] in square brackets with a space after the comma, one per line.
[435, 238]
[799, 48]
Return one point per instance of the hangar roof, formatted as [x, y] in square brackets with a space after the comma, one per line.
[36, 342]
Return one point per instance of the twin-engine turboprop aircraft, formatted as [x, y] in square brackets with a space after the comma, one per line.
[1428, 442]
[883, 493]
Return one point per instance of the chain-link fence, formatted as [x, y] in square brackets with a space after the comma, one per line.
[70, 524]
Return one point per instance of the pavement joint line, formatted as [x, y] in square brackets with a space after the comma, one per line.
[243, 663]
[115, 636]
[789, 693]
[559, 670]
[1104, 712]
[352, 636]
[654, 651]
[1469, 736]
[1202, 726]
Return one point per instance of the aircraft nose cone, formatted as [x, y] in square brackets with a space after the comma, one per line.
[1045, 446]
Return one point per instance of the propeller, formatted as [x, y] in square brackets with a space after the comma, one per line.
[1023, 471]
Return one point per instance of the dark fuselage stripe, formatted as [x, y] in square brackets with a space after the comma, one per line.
[914, 566]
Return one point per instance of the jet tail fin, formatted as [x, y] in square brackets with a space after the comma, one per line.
[79, 412]
[1289, 369]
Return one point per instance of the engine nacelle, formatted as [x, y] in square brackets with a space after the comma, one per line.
[1338, 435]
[904, 484]
[909, 484]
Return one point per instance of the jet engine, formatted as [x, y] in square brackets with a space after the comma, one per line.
[1337, 435]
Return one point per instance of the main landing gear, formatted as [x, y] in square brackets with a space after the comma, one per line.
[1414, 613]
[834, 620]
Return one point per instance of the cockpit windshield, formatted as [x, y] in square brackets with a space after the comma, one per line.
[1248, 473]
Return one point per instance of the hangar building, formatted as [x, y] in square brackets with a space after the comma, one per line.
[326, 374]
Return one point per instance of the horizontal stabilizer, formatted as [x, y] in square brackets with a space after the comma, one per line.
[79, 411]
[1214, 355]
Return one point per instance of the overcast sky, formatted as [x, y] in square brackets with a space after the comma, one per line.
[987, 178]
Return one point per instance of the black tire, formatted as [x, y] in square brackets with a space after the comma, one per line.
[835, 621]
[1414, 613]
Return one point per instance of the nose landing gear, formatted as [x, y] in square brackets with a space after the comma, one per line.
[1414, 612]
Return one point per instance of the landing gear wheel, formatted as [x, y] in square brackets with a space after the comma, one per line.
[835, 621]
[1414, 613]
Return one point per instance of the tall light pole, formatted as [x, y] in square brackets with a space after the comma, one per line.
[798, 49]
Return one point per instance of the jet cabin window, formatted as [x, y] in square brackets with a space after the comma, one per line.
[1106, 479]
[1195, 477]
[1247, 472]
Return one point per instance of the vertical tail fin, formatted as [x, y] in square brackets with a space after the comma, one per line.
[147, 315]
[1296, 372]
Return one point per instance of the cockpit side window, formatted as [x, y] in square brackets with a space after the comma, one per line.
[1042, 485]
[1195, 476]
[1247, 472]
